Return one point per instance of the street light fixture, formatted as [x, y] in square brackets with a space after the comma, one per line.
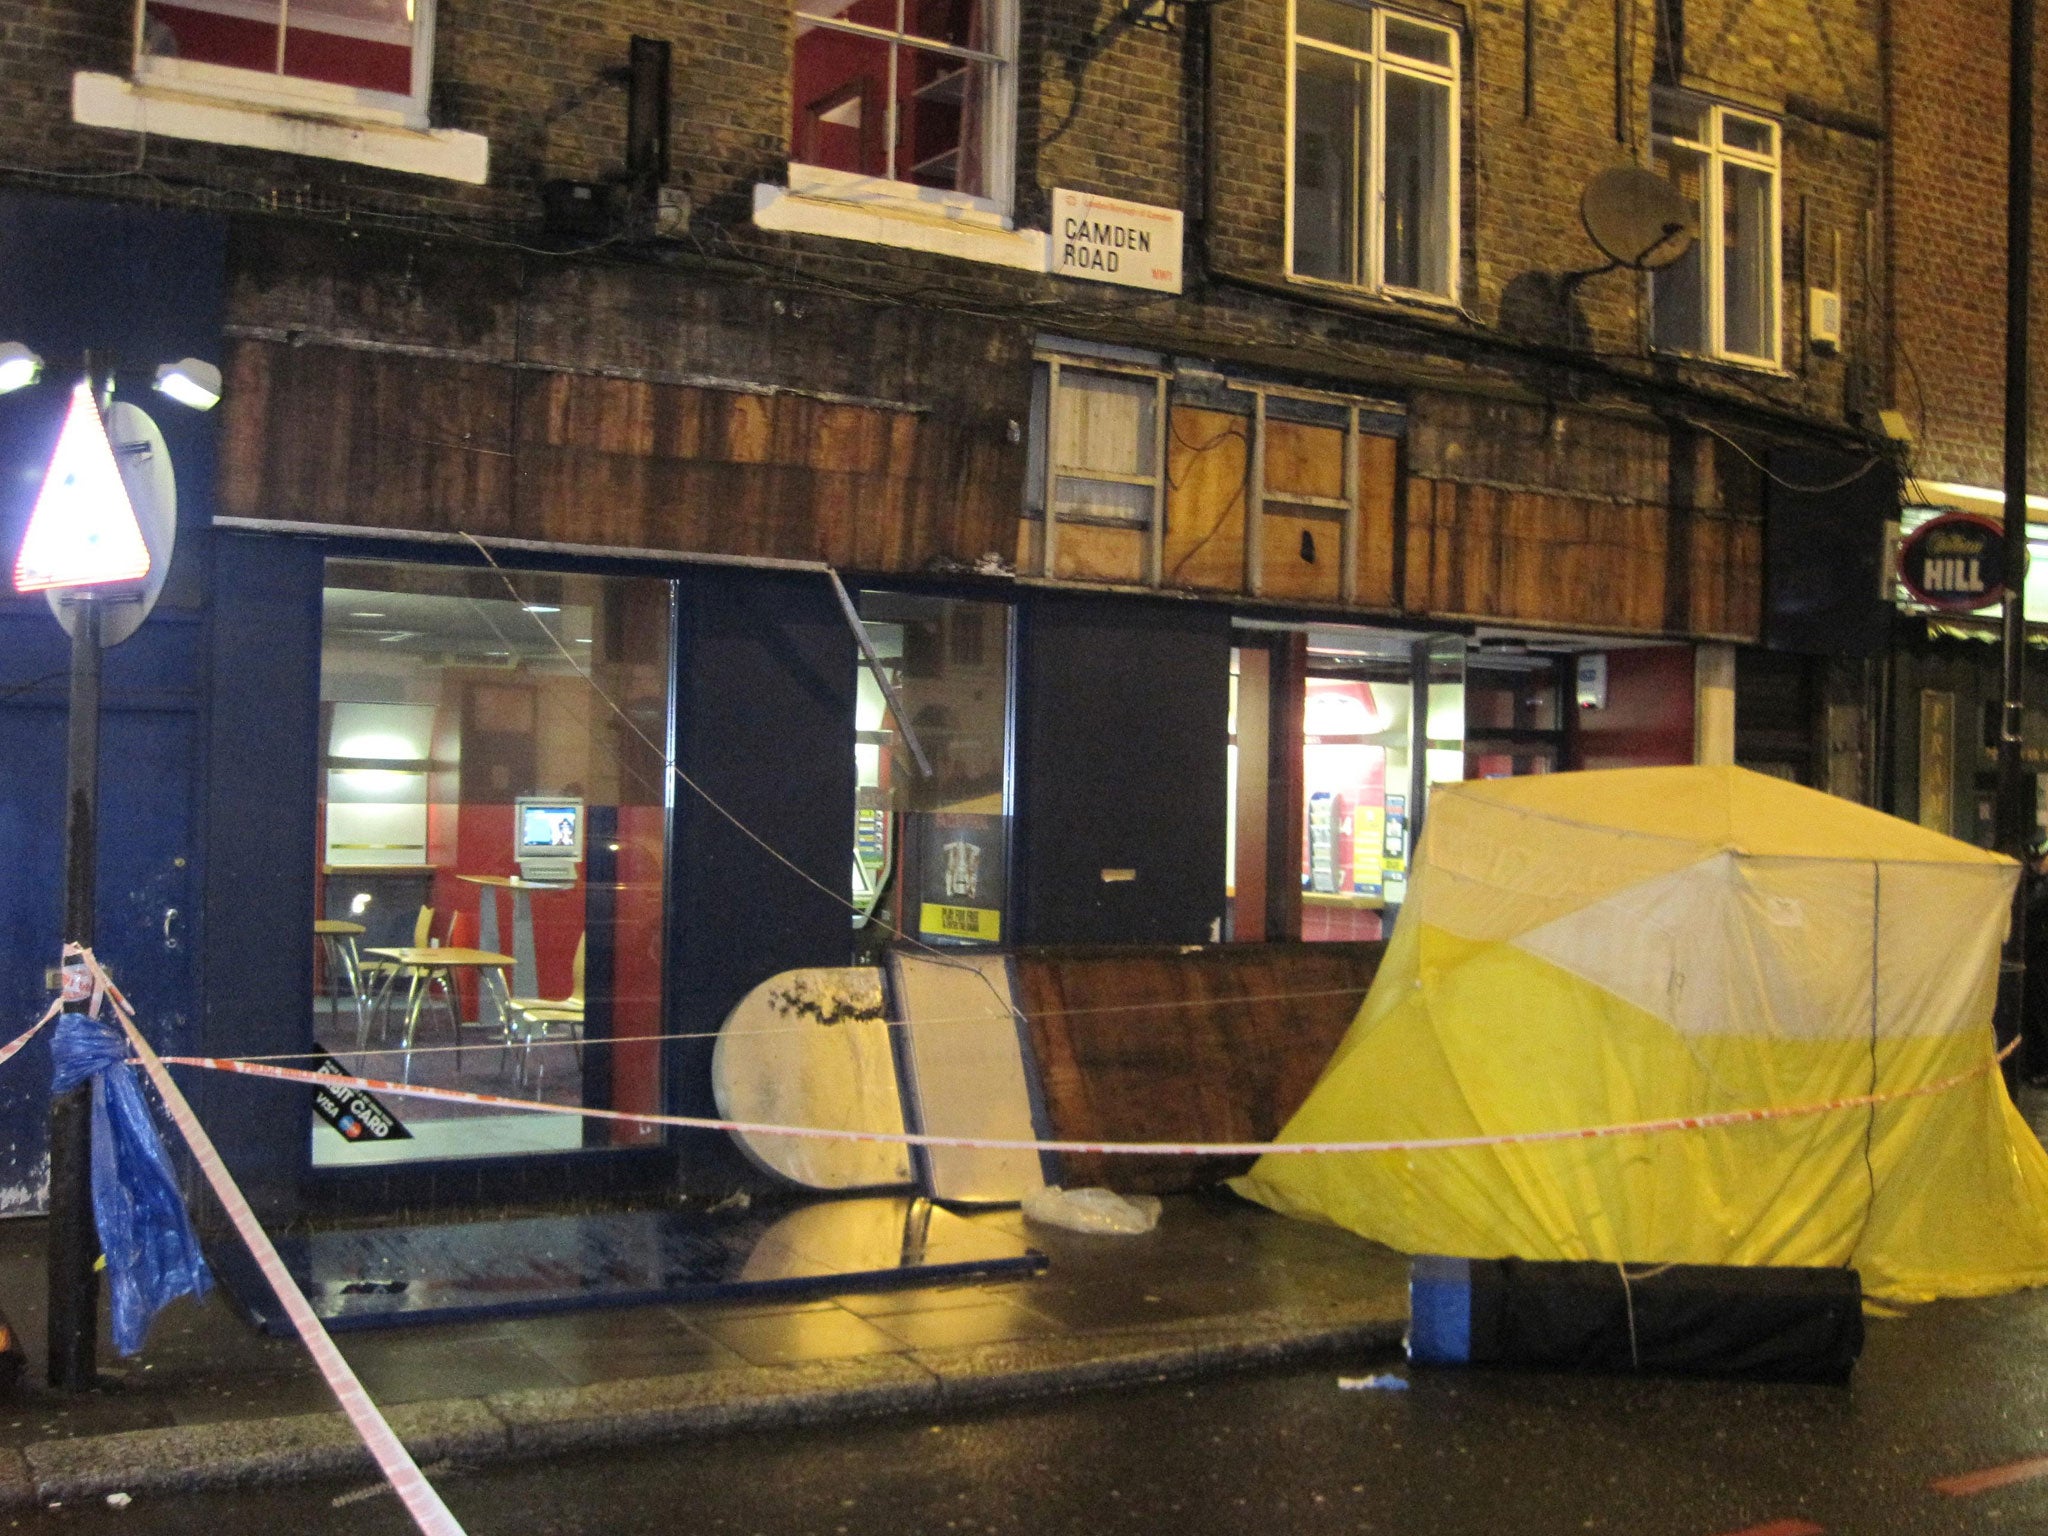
[84, 541]
[190, 381]
[19, 367]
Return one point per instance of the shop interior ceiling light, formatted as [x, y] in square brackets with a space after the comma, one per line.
[190, 381]
[82, 532]
[19, 367]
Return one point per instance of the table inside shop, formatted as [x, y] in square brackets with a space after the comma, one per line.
[419, 967]
[525, 970]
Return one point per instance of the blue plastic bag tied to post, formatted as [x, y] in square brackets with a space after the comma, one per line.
[152, 1253]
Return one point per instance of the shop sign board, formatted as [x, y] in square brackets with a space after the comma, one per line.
[1107, 240]
[1955, 562]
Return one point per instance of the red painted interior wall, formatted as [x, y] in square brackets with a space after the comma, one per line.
[207, 37]
[1649, 720]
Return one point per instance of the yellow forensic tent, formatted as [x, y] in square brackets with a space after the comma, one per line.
[1588, 949]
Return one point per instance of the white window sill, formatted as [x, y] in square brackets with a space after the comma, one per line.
[901, 196]
[939, 227]
[1392, 298]
[109, 101]
[1732, 362]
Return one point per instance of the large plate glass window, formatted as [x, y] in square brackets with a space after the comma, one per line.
[910, 91]
[932, 820]
[1373, 181]
[1721, 298]
[492, 853]
[371, 58]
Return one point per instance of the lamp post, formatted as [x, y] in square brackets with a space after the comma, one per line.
[2015, 800]
[86, 548]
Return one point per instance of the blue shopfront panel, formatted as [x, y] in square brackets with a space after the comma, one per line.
[148, 851]
[137, 286]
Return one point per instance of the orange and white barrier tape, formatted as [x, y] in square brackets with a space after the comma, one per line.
[7, 1051]
[421, 1501]
[1128, 1148]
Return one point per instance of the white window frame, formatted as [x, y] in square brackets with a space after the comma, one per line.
[217, 104]
[1372, 198]
[1718, 154]
[999, 149]
[1049, 471]
[281, 92]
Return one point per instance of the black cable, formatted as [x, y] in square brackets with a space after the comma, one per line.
[1777, 479]
[15, 690]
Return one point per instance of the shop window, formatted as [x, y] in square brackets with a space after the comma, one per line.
[907, 91]
[360, 55]
[1370, 720]
[932, 770]
[1095, 480]
[492, 838]
[1516, 720]
[1720, 299]
[1373, 165]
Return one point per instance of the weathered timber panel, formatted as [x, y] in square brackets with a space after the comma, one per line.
[1378, 488]
[371, 439]
[1207, 458]
[1303, 460]
[365, 439]
[1537, 447]
[1085, 552]
[1301, 554]
[1239, 1036]
[1484, 551]
[1727, 576]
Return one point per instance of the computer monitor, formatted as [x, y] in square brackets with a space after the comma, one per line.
[547, 836]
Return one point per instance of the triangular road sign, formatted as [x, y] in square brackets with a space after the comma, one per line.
[83, 531]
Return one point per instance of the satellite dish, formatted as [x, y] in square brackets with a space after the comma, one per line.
[1637, 218]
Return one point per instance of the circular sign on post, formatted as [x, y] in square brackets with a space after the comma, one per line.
[1955, 562]
[145, 466]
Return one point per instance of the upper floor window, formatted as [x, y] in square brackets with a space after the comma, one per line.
[1373, 176]
[360, 57]
[912, 91]
[1721, 298]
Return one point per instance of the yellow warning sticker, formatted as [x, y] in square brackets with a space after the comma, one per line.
[978, 923]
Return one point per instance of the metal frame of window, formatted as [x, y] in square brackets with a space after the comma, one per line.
[1155, 520]
[998, 132]
[275, 88]
[1257, 494]
[1718, 155]
[1372, 200]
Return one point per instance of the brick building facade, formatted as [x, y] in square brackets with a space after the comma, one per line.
[1946, 166]
[1202, 515]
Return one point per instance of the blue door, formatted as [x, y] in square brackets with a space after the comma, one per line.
[147, 857]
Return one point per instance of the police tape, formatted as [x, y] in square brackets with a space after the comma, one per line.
[421, 1501]
[1708, 1121]
[7, 1051]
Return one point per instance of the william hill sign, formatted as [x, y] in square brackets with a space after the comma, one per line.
[1955, 562]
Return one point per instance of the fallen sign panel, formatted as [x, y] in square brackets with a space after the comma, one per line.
[1751, 1323]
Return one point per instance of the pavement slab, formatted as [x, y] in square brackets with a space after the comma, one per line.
[1221, 1285]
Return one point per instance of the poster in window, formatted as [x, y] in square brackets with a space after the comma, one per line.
[961, 879]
